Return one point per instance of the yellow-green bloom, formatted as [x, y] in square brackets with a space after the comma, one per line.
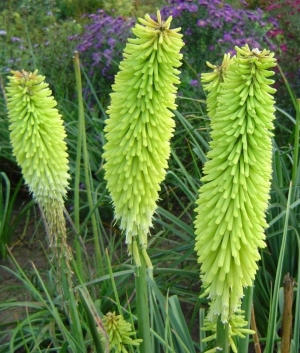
[37, 136]
[230, 219]
[212, 83]
[140, 125]
[119, 333]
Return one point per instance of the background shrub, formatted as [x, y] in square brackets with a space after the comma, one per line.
[32, 38]
[287, 38]
[77, 8]
[284, 38]
[100, 46]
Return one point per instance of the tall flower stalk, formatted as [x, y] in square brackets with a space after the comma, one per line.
[138, 134]
[37, 136]
[230, 219]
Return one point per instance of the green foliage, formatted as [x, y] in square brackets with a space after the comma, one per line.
[8, 201]
[133, 7]
[47, 311]
[32, 37]
[35, 39]
[77, 8]
[4, 209]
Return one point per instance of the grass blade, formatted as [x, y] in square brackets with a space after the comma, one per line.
[271, 336]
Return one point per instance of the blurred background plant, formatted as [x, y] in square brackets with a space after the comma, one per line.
[284, 40]
[101, 46]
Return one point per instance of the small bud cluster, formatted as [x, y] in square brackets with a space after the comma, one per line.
[119, 333]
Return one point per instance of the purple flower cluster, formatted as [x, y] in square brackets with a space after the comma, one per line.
[175, 8]
[210, 28]
[102, 43]
[228, 26]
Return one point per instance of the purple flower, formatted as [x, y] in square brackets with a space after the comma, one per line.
[96, 58]
[227, 37]
[2, 32]
[201, 23]
[193, 8]
[189, 32]
[15, 39]
[111, 42]
[216, 24]
[194, 83]
[107, 53]
[176, 12]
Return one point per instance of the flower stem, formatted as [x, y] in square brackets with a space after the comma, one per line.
[87, 170]
[142, 302]
[77, 169]
[243, 343]
[222, 342]
[296, 147]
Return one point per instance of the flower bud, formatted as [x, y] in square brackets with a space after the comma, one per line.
[119, 333]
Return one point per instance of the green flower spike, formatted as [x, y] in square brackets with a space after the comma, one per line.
[232, 201]
[37, 136]
[140, 126]
[119, 332]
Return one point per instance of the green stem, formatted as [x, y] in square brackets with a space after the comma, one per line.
[243, 343]
[113, 284]
[77, 166]
[87, 171]
[272, 322]
[69, 299]
[4, 206]
[222, 342]
[297, 306]
[296, 147]
[142, 302]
